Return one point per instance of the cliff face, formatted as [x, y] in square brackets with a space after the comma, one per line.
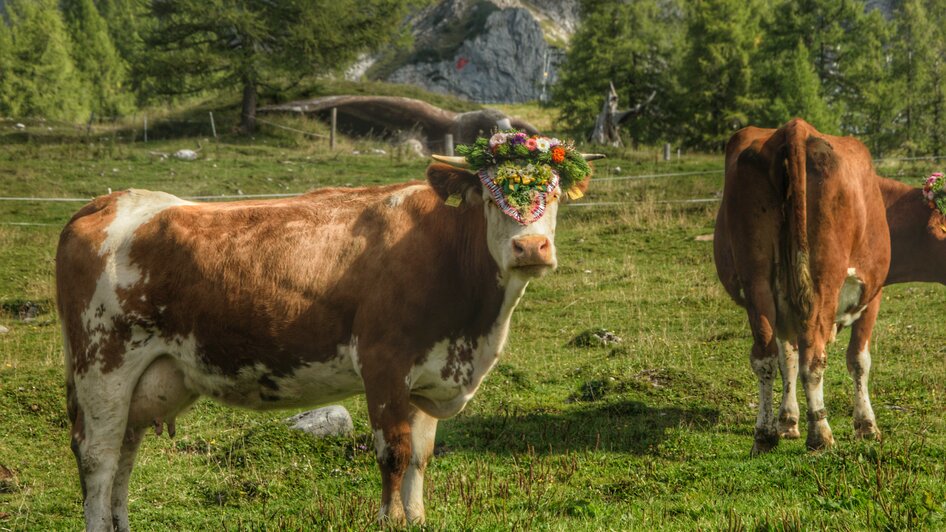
[489, 51]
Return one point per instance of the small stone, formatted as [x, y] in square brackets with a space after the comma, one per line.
[186, 155]
[322, 422]
[4, 330]
[704, 238]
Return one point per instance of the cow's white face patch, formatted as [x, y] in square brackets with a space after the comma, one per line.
[502, 230]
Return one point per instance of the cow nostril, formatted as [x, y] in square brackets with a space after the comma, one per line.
[517, 248]
[544, 246]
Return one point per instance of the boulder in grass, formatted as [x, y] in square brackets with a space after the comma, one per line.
[328, 421]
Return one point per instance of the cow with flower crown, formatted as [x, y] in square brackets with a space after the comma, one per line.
[403, 293]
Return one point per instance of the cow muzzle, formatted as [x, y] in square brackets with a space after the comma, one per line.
[533, 255]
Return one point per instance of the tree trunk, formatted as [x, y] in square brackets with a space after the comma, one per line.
[248, 118]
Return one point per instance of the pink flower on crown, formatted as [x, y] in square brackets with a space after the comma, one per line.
[553, 142]
[531, 144]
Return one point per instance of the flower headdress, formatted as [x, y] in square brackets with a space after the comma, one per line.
[522, 172]
[934, 191]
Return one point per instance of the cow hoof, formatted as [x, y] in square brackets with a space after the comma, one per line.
[788, 428]
[765, 441]
[866, 430]
[392, 517]
[819, 440]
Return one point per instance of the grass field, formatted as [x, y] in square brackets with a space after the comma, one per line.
[653, 433]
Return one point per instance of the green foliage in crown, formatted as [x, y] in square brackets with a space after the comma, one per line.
[524, 163]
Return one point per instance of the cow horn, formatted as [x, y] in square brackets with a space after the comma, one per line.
[459, 162]
[593, 156]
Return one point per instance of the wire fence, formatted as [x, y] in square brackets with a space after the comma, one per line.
[141, 122]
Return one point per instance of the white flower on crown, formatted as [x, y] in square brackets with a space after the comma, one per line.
[542, 144]
[497, 139]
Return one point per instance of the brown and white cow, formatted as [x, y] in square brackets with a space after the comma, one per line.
[287, 303]
[802, 242]
[917, 235]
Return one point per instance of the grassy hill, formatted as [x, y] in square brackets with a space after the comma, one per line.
[652, 433]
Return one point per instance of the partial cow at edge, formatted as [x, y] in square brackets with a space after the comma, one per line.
[802, 241]
[288, 303]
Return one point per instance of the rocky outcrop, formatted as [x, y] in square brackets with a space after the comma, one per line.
[508, 62]
[488, 51]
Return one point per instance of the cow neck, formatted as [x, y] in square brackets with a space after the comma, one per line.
[478, 289]
[917, 246]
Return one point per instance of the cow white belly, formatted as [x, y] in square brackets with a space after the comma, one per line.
[257, 387]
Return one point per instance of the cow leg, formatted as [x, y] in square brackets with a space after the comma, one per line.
[858, 365]
[126, 462]
[99, 446]
[389, 413]
[764, 361]
[812, 362]
[423, 431]
[788, 411]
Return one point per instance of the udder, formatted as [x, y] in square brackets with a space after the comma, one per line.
[160, 395]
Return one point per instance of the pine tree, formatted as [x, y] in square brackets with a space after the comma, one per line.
[637, 46]
[919, 64]
[103, 71]
[46, 82]
[6, 70]
[198, 45]
[787, 86]
[717, 77]
[872, 98]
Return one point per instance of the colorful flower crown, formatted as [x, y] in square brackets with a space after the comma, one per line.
[934, 191]
[522, 172]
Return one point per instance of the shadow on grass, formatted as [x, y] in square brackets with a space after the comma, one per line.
[624, 426]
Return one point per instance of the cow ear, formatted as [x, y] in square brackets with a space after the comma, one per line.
[583, 184]
[450, 181]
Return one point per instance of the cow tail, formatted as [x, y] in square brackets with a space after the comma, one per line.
[800, 288]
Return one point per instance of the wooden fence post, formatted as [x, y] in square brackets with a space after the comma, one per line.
[331, 138]
[213, 127]
[146, 128]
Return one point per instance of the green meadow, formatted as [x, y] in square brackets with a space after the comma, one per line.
[651, 433]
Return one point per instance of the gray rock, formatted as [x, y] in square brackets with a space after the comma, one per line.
[506, 62]
[4, 330]
[328, 421]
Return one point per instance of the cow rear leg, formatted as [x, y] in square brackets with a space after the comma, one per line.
[423, 432]
[858, 366]
[98, 451]
[812, 362]
[788, 411]
[126, 462]
[764, 361]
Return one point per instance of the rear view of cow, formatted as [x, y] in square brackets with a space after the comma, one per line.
[403, 293]
[802, 242]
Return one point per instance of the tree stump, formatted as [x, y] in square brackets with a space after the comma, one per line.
[608, 123]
